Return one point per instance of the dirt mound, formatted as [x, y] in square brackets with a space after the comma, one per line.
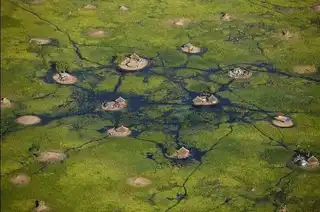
[97, 33]
[51, 157]
[5, 103]
[20, 179]
[138, 181]
[226, 17]
[282, 121]
[180, 22]
[65, 78]
[28, 120]
[133, 63]
[305, 69]
[41, 206]
[90, 7]
[316, 8]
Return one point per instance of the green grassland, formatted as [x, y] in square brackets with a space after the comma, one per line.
[243, 163]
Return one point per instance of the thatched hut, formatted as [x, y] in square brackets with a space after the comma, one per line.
[65, 78]
[117, 104]
[313, 162]
[133, 63]
[239, 73]
[182, 153]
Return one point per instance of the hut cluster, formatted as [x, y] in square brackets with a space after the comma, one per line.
[189, 48]
[305, 160]
[133, 63]
[205, 99]
[239, 73]
[65, 78]
[182, 153]
[282, 121]
[117, 104]
[121, 131]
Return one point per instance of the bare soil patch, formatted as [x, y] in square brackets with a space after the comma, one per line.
[90, 7]
[97, 33]
[20, 179]
[305, 69]
[41, 207]
[28, 120]
[65, 78]
[6, 103]
[316, 8]
[179, 22]
[51, 157]
[138, 181]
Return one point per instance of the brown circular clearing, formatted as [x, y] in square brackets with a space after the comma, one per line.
[20, 179]
[305, 69]
[96, 33]
[5, 103]
[28, 120]
[90, 7]
[180, 22]
[226, 17]
[65, 78]
[190, 49]
[138, 182]
[316, 8]
[280, 121]
[133, 63]
[51, 157]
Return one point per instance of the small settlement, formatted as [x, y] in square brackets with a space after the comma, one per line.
[133, 63]
[205, 100]
[182, 153]
[117, 104]
[239, 73]
[121, 131]
[65, 78]
[282, 121]
[191, 49]
[306, 161]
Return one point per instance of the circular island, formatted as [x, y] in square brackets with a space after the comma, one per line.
[5, 103]
[282, 121]
[115, 105]
[239, 73]
[51, 157]
[133, 63]
[65, 78]
[28, 120]
[205, 99]
[190, 49]
[20, 179]
[119, 132]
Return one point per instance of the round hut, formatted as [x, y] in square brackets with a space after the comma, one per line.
[190, 49]
[5, 103]
[121, 131]
[239, 73]
[65, 78]
[282, 121]
[28, 120]
[115, 105]
[133, 63]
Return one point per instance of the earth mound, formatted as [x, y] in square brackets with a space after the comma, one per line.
[5, 103]
[20, 179]
[90, 7]
[133, 63]
[96, 33]
[305, 69]
[117, 104]
[51, 157]
[138, 181]
[316, 8]
[124, 8]
[239, 73]
[226, 17]
[282, 121]
[119, 132]
[40, 206]
[65, 78]
[180, 22]
[28, 120]
[205, 100]
[191, 49]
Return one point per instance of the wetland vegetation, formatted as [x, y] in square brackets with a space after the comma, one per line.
[56, 150]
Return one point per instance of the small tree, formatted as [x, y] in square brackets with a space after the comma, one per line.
[62, 66]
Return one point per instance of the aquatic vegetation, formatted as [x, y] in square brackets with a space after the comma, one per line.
[170, 156]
